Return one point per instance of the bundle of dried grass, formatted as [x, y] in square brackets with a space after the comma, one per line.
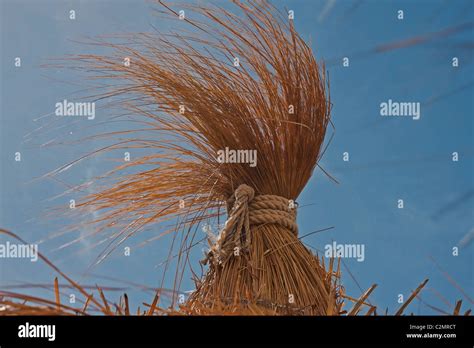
[246, 81]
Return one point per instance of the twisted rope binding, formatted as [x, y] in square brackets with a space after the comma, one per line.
[246, 210]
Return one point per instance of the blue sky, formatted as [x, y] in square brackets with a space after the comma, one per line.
[391, 158]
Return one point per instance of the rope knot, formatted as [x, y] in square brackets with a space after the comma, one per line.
[244, 192]
[245, 210]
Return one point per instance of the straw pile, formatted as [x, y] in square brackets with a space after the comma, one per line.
[95, 301]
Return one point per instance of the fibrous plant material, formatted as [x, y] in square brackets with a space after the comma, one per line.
[259, 260]
[235, 116]
[13, 303]
[245, 81]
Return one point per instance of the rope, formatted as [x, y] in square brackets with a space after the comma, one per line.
[246, 210]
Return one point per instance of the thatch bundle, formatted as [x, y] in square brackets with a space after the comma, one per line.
[245, 81]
